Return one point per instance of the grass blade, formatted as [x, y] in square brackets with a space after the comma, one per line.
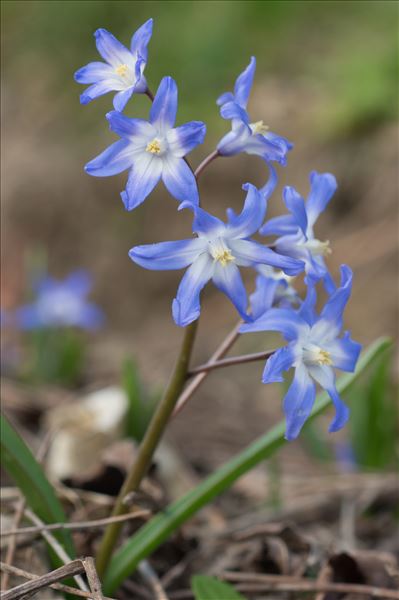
[29, 476]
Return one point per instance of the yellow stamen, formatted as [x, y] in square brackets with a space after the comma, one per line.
[122, 70]
[259, 127]
[224, 257]
[323, 357]
[154, 147]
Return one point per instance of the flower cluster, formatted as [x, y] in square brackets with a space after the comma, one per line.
[156, 149]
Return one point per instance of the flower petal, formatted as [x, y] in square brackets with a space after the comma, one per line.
[235, 141]
[283, 225]
[145, 173]
[244, 82]
[229, 281]
[334, 307]
[186, 306]
[141, 39]
[204, 223]
[80, 282]
[97, 89]
[325, 376]
[271, 183]
[116, 158]
[262, 299]
[296, 205]
[164, 108]
[139, 129]
[252, 214]
[167, 255]
[111, 49]
[122, 98]
[94, 72]
[249, 253]
[322, 189]
[231, 111]
[179, 179]
[298, 402]
[307, 309]
[224, 98]
[344, 352]
[284, 320]
[281, 360]
[185, 138]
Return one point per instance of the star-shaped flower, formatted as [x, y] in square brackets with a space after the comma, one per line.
[246, 136]
[61, 304]
[314, 350]
[122, 71]
[152, 150]
[216, 253]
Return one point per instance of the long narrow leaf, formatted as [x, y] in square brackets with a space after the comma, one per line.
[29, 476]
[156, 531]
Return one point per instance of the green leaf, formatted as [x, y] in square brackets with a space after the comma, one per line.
[211, 588]
[373, 424]
[159, 528]
[141, 406]
[29, 476]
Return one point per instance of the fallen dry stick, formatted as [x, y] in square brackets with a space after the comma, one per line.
[151, 578]
[92, 578]
[256, 582]
[55, 585]
[55, 545]
[78, 525]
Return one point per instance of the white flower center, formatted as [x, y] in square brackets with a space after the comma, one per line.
[316, 247]
[220, 252]
[313, 354]
[122, 70]
[258, 127]
[155, 146]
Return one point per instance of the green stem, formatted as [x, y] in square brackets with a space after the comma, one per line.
[148, 445]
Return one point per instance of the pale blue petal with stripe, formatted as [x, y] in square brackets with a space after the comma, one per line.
[168, 255]
[186, 306]
[164, 108]
[229, 281]
[325, 376]
[116, 158]
[298, 402]
[179, 179]
[281, 360]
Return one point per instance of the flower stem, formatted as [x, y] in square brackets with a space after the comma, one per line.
[148, 445]
[207, 160]
[228, 362]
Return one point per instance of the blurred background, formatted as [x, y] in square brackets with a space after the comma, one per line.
[326, 79]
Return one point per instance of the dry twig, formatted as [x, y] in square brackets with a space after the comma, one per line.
[257, 582]
[55, 545]
[92, 578]
[151, 578]
[198, 379]
[78, 525]
[56, 586]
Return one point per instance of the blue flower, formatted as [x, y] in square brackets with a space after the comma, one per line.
[122, 71]
[216, 253]
[314, 350]
[296, 230]
[273, 288]
[152, 150]
[252, 138]
[61, 304]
